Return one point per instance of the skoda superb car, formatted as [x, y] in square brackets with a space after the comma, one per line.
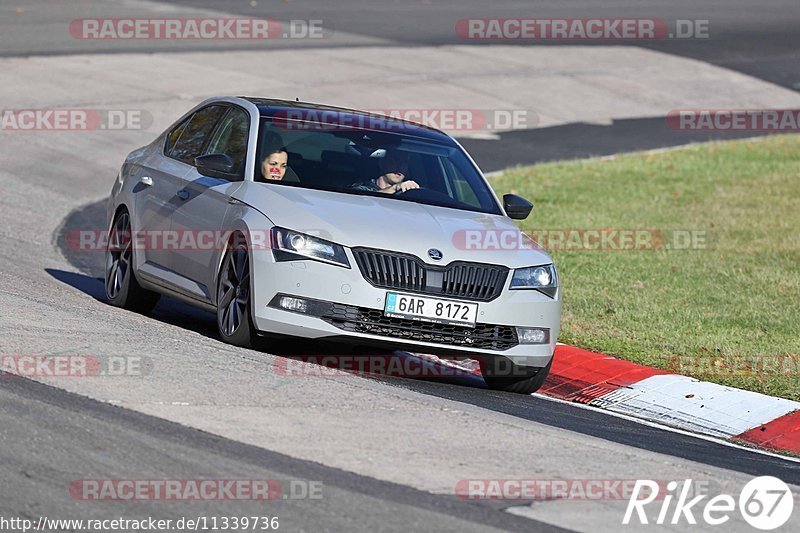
[301, 220]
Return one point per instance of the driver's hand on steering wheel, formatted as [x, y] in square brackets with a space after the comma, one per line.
[403, 186]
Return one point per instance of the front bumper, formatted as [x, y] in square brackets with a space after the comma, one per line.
[348, 307]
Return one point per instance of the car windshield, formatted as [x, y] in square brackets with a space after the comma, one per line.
[370, 162]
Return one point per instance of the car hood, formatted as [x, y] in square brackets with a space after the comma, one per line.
[390, 224]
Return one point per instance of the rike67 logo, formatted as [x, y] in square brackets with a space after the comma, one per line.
[766, 503]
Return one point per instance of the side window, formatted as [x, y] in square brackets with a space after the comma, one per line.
[231, 138]
[194, 135]
[174, 135]
[460, 187]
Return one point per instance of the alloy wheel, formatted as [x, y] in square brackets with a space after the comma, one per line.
[234, 290]
[118, 258]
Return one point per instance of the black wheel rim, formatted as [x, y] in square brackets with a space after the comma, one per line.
[234, 291]
[118, 255]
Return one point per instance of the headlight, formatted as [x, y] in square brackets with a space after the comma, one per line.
[288, 245]
[541, 278]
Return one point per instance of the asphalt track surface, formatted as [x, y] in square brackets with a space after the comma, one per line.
[759, 39]
[388, 451]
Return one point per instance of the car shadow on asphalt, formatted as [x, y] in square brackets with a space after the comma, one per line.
[168, 310]
[304, 357]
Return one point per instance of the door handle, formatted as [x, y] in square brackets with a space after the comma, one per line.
[183, 194]
[146, 180]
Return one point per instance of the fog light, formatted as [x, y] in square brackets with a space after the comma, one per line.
[533, 335]
[293, 304]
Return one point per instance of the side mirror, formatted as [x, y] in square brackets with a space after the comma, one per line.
[516, 207]
[215, 165]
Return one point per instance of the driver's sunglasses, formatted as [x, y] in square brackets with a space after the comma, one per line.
[397, 166]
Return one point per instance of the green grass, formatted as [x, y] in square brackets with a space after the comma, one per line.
[713, 312]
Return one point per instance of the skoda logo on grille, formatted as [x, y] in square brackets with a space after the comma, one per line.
[435, 254]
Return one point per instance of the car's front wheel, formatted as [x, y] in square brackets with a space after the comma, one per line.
[122, 288]
[234, 319]
[513, 378]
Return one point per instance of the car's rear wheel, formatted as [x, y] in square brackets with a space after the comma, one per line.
[520, 380]
[122, 288]
[234, 319]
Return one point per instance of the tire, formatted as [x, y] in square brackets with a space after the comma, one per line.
[531, 380]
[234, 318]
[121, 286]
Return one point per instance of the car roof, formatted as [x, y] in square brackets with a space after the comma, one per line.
[269, 107]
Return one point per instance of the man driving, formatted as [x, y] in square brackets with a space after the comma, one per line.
[394, 168]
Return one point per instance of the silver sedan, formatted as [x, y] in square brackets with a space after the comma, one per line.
[290, 219]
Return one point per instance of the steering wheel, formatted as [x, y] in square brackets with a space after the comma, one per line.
[408, 190]
[427, 195]
[424, 191]
[420, 187]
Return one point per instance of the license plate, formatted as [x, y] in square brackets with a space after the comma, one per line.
[417, 307]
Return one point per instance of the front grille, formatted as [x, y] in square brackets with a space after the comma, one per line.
[391, 271]
[472, 281]
[372, 321]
